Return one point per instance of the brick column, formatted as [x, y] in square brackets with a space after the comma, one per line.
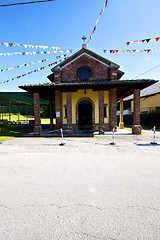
[101, 112]
[113, 109]
[58, 108]
[69, 112]
[51, 113]
[121, 123]
[37, 120]
[136, 128]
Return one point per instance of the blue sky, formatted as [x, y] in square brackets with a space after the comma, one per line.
[63, 23]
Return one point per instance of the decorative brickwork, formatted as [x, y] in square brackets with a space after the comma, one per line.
[37, 120]
[93, 112]
[113, 109]
[58, 108]
[136, 128]
[101, 112]
[69, 112]
[97, 69]
[136, 113]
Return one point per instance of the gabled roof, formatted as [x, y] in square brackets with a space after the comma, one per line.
[90, 53]
[85, 51]
[148, 91]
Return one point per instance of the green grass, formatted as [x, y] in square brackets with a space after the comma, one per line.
[14, 117]
[21, 96]
[129, 127]
[5, 138]
[11, 131]
[47, 121]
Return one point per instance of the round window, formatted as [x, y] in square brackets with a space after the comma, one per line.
[84, 73]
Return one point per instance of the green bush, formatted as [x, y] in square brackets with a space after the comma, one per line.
[147, 119]
[45, 112]
[154, 117]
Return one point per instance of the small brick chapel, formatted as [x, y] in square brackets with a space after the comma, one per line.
[85, 89]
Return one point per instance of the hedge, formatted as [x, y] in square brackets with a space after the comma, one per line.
[147, 119]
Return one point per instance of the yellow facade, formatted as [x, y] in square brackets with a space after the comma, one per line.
[148, 104]
[88, 93]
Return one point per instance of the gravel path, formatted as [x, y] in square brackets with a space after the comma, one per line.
[86, 189]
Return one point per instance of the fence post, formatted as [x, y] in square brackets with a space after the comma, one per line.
[113, 142]
[154, 136]
[62, 143]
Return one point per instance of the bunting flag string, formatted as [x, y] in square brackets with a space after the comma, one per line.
[132, 50]
[33, 53]
[105, 5]
[147, 40]
[28, 45]
[39, 69]
[23, 65]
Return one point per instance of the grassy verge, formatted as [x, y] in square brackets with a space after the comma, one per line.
[9, 132]
[128, 128]
[2, 139]
[14, 117]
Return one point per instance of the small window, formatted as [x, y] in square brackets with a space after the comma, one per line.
[65, 111]
[84, 73]
[105, 110]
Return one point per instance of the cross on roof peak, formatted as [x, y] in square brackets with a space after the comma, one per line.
[84, 45]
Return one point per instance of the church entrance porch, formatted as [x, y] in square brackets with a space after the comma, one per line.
[86, 88]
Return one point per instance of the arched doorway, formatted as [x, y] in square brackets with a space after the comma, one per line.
[85, 115]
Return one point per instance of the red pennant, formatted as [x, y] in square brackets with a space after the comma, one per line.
[128, 43]
[157, 38]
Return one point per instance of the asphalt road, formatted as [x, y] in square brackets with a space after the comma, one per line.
[86, 189]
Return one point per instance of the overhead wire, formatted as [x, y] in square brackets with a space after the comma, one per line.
[14, 4]
[146, 71]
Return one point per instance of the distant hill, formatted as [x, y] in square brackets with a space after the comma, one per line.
[24, 97]
[18, 101]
